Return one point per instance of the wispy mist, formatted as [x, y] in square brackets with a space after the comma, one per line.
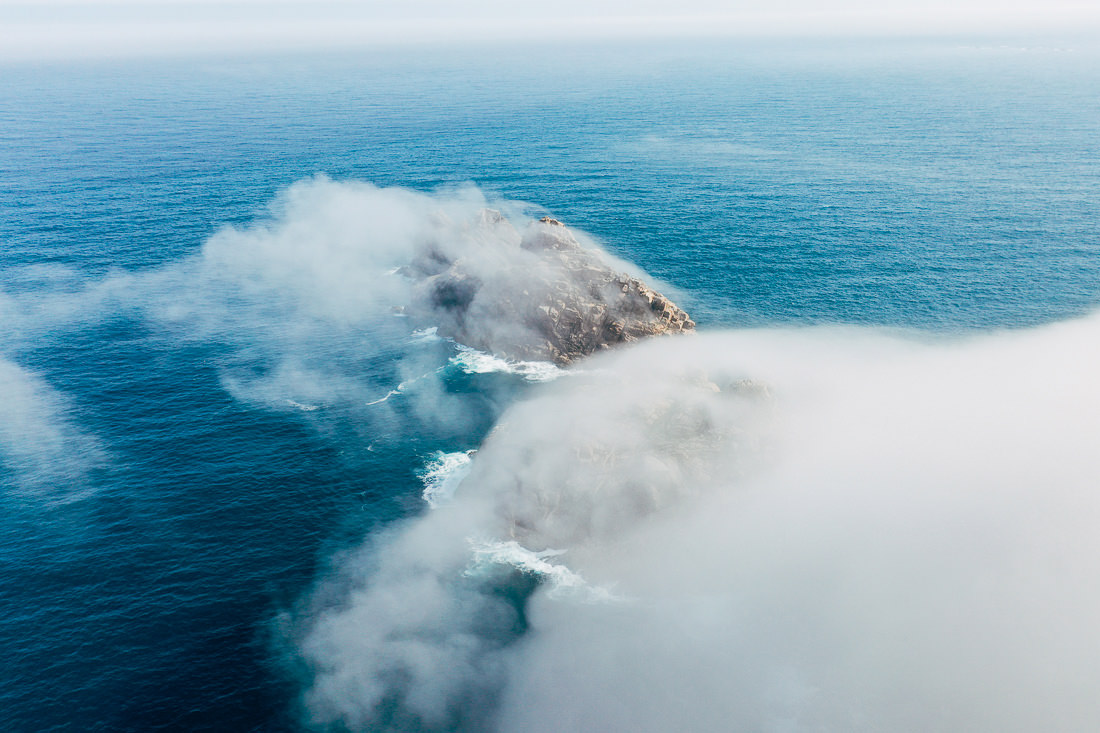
[330, 300]
[49, 455]
[312, 306]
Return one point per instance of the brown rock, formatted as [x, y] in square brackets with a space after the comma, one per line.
[543, 297]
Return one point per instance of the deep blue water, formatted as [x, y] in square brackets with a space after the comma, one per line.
[156, 528]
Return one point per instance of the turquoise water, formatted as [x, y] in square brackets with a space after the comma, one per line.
[169, 501]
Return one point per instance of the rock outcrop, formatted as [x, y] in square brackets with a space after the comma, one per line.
[537, 296]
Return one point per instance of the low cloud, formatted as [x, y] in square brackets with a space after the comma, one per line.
[777, 530]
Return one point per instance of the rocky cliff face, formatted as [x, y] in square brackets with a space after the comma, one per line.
[539, 295]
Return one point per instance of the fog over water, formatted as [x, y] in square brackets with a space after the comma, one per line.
[809, 528]
[249, 480]
[50, 455]
[830, 528]
[813, 529]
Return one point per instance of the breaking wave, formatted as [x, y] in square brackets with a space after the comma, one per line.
[473, 361]
[559, 580]
[443, 474]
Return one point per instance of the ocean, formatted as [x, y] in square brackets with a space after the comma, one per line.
[215, 435]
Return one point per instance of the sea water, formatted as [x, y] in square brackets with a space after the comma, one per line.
[188, 452]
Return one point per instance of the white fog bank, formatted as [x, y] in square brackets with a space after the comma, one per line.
[827, 530]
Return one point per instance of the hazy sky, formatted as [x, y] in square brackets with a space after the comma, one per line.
[51, 28]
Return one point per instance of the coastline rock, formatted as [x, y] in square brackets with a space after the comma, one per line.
[537, 296]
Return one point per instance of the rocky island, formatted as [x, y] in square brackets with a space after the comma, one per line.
[539, 295]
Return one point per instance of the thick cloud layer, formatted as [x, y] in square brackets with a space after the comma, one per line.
[772, 530]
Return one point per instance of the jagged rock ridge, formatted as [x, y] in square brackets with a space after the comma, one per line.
[537, 296]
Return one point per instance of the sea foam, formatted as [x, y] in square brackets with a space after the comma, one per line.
[472, 361]
[443, 474]
[560, 580]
